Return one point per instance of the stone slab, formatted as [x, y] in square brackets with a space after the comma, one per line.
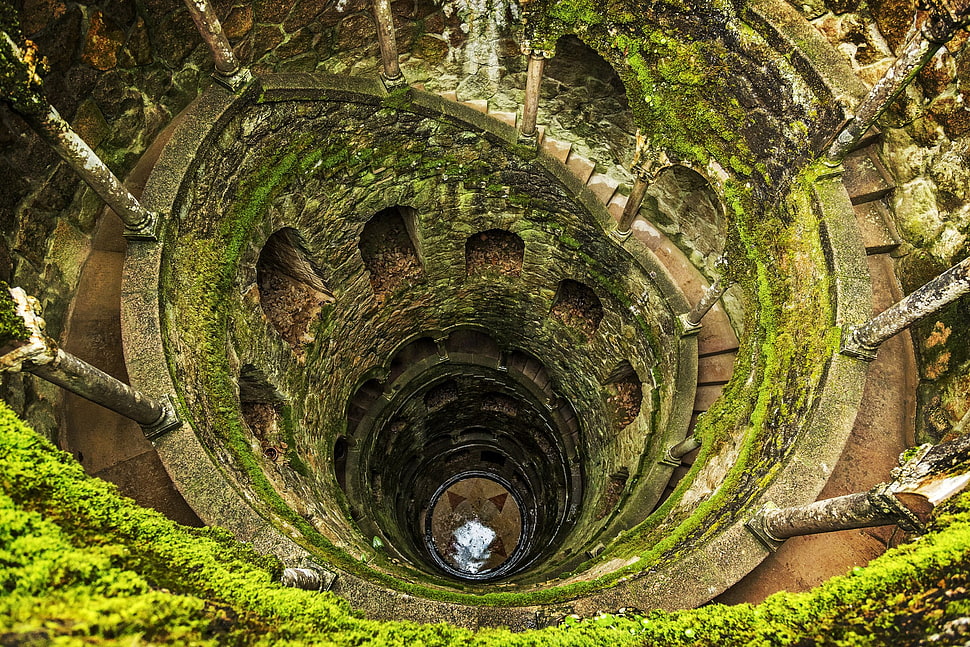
[865, 178]
[872, 218]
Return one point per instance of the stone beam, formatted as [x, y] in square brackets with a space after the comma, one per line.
[41, 356]
[863, 341]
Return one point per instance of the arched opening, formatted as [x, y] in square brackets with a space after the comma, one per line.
[389, 248]
[495, 250]
[626, 394]
[577, 306]
[685, 206]
[291, 292]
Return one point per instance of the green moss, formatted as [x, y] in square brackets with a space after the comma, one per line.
[12, 328]
[79, 563]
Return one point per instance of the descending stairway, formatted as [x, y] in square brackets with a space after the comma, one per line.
[885, 421]
[717, 342]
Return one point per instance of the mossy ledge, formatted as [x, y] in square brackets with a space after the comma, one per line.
[82, 564]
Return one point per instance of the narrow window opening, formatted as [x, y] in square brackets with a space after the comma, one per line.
[577, 306]
[291, 292]
[626, 394]
[388, 246]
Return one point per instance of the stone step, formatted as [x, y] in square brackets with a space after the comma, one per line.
[706, 395]
[872, 136]
[865, 178]
[481, 105]
[580, 166]
[555, 148]
[715, 369]
[876, 225]
[451, 95]
[603, 187]
[503, 116]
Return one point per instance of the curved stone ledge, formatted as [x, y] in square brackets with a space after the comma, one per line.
[203, 484]
[709, 570]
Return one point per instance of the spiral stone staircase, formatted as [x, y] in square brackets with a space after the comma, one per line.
[420, 382]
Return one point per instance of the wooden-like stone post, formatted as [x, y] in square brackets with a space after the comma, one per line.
[228, 70]
[646, 165]
[943, 22]
[863, 341]
[391, 67]
[41, 356]
[675, 453]
[533, 82]
[691, 321]
[44, 119]
[931, 476]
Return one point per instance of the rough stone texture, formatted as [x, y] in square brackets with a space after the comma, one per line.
[927, 148]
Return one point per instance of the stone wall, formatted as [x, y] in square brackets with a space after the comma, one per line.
[927, 149]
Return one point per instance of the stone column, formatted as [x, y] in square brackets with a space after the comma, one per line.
[228, 72]
[308, 579]
[774, 525]
[675, 453]
[939, 27]
[691, 321]
[632, 207]
[533, 82]
[646, 165]
[41, 356]
[391, 71]
[923, 481]
[863, 341]
[44, 119]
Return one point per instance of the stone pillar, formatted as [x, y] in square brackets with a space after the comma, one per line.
[228, 72]
[863, 341]
[691, 321]
[44, 119]
[442, 347]
[533, 82]
[675, 453]
[41, 356]
[391, 70]
[774, 525]
[308, 579]
[944, 20]
[632, 207]
[930, 476]
[646, 165]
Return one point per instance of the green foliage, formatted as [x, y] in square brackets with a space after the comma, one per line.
[12, 326]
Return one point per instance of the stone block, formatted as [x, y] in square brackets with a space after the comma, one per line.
[580, 167]
[865, 177]
[602, 186]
